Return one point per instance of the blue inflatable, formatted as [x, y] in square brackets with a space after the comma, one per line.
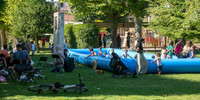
[169, 65]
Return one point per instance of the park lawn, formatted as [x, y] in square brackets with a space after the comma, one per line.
[150, 86]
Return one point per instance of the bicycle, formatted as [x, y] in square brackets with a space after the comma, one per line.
[54, 87]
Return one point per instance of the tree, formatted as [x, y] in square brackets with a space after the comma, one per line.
[3, 27]
[34, 17]
[138, 10]
[111, 10]
[175, 18]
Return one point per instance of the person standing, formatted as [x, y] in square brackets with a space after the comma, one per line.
[33, 48]
[28, 44]
[159, 64]
[187, 50]
[142, 63]
[178, 48]
[170, 50]
[43, 42]
[104, 40]
[5, 51]
[65, 44]
[118, 41]
[128, 40]
[99, 40]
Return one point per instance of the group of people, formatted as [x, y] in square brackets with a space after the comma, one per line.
[17, 61]
[142, 64]
[187, 52]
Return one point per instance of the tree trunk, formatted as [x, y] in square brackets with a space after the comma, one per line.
[138, 27]
[37, 44]
[114, 27]
[3, 38]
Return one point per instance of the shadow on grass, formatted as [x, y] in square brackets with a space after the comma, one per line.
[144, 85]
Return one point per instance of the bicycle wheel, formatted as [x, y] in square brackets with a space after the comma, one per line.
[83, 89]
[70, 89]
[76, 89]
[41, 88]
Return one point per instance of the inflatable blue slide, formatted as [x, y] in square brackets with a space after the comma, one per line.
[174, 65]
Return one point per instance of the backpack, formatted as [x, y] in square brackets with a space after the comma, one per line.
[69, 64]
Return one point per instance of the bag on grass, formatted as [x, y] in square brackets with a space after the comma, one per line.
[2, 79]
[69, 64]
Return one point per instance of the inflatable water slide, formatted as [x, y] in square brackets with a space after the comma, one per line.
[174, 65]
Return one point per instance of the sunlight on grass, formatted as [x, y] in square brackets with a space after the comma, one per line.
[108, 97]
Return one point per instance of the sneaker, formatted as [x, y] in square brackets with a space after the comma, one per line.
[113, 76]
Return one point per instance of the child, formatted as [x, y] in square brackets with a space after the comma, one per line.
[100, 52]
[192, 53]
[49, 45]
[92, 54]
[159, 64]
[152, 57]
[170, 50]
[65, 52]
[125, 54]
[33, 48]
[104, 54]
[164, 52]
[52, 48]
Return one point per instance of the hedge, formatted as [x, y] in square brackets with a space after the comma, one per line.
[81, 35]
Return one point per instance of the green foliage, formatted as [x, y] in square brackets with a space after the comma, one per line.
[69, 34]
[29, 17]
[175, 18]
[2, 14]
[82, 35]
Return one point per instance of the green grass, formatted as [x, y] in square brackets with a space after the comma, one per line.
[145, 87]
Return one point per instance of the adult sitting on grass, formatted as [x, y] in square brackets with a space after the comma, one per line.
[21, 59]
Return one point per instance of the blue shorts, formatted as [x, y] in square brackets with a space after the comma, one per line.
[33, 51]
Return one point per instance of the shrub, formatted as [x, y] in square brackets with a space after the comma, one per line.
[82, 35]
[69, 35]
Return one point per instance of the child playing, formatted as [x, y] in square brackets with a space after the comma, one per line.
[159, 64]
[100, 52]
[192, 53]
[92, 54]
[33, 48]
[163, 52]
[170, 50]
[125, 55]
[104, 54]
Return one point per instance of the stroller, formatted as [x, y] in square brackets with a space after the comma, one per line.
[119, 67]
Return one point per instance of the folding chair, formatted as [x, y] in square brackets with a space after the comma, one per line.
[2, 61]
[39, 67]
[23, 69]
[58, 62]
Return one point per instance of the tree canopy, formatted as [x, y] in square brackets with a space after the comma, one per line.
[175, 18]
[29, 17]
[110, 10]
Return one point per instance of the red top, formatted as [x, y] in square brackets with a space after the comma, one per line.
[5, 52]
[43, 40]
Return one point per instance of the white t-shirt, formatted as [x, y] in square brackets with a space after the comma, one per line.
[164, 53]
